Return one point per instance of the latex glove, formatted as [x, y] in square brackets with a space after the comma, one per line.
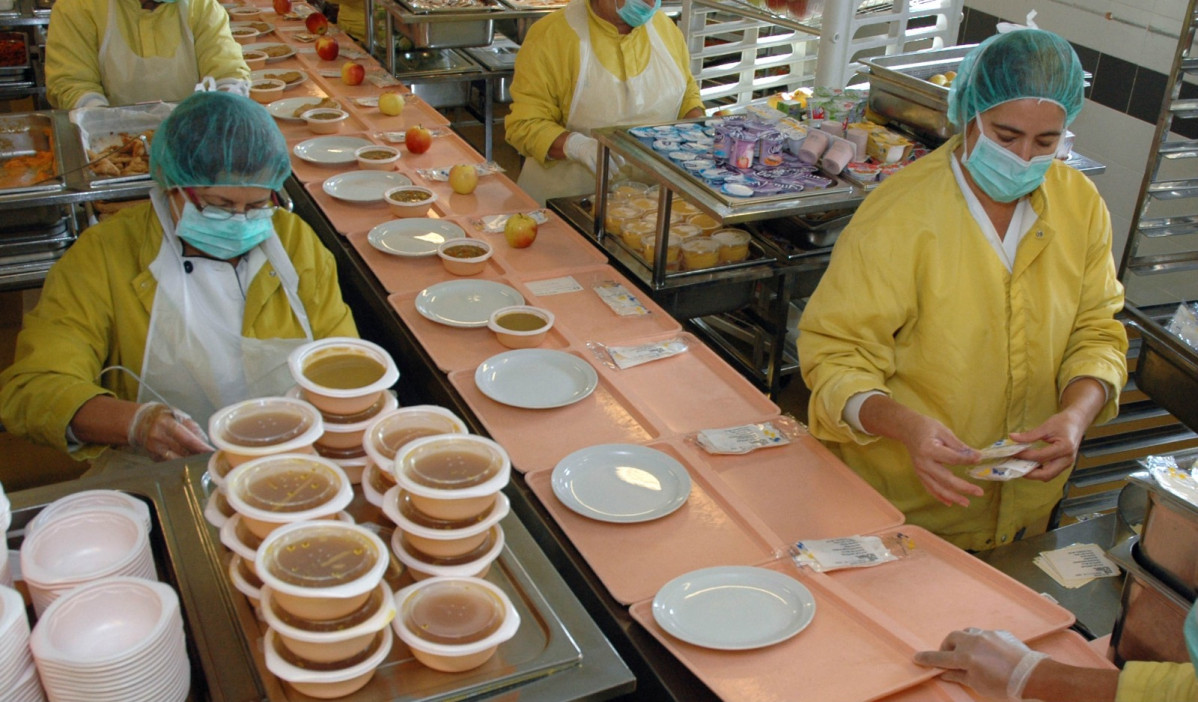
[585, 150]
[993, 663]
[236, 86]
[91, 100]
[166, 433]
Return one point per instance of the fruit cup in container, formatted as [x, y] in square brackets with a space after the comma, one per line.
[430, 538]
[325, 684]
[454, 624]
[271, 491]
[391, 430]
[700, 252]
[705, 222]
[265, 426]
[474, 564]
[520, 326]
[673, 251]
[734, 245]
[342, 375]
[452, 476]
[617, 216]
[636, 229]
[326, 643]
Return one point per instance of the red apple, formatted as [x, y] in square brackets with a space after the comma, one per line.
[418, 139]
[352, 73]
[327, 48]
[520, 231]
[463, 178]
[316, 23]
[283, 7]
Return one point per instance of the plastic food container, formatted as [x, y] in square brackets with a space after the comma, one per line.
[440, 538]
[321, 570]
[342, 440]
[244, 35]
[464, 256]
[410, 200]
[375, 483]
[266, 90]
[683, 232]
[700, 253]
[217, 509]
[334, 640]
[734, 245]
[673, 251]
[325, 120]
[246, 582]
[271, 491]
[255, 59]
[390, 431]
[705, 222]
[264, 426]
[617, 216]
[326, 684]
[454, 624]
[520, 326]
[377, 158]
[628, 189]
[452, 476]
[218, 468]
[241, 542]
[342, 375]
[86, 500]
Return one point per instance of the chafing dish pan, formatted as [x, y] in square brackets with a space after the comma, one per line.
[29, 154]
[1151, 617]
[107, 128]
[1169, 536]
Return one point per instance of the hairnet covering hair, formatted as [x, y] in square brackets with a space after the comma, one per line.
[219, 139]
[1025, 63]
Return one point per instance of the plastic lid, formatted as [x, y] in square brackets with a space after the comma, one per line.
[700, 245]
[376, 614]
[685, 230]
[322, 559]
[218, 468]
[391, 430]
[265, 425]
[341, 366]
[464, 569]
[398, 507]
[288, 487]
[277, 663]
[245, 582]
[452, 466]
[454, 616]
[731, 237]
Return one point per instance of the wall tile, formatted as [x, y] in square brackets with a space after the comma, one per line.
[1112, 81]
[1147, 94]
[1089, 60]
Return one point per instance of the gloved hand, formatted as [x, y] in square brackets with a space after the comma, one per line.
[585, 150]
[993, 663]
[165, 433]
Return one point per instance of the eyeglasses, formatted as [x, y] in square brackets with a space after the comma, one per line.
[262, 211]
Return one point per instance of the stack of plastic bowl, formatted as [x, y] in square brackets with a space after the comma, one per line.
[114, 640]
[447, 504]
[389, 432]
[86, 500]
[326, 605]
[217, 509]
[347, 380]
[454, 624]
[5, 522]
[264, 426]
[77, 548]
[18, 675]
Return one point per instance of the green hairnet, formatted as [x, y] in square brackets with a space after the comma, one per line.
[1024, 63]
[222, 139]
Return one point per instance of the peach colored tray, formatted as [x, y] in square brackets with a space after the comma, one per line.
[692, 390]
[364, 89]
[537, 439]
[297, 131]
[317, 173]
[415, 111]
[349, 216]
[938, 588]
[495, 193]
[800, 490]
[399, 274]
[455, 349]
[635, 560]
[585, 317]
[842, 655]
[557, 246]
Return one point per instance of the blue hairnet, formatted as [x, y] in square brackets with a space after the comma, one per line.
[222, 139]
[1025, 63]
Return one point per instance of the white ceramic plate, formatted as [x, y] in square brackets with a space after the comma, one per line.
[264, 46]
[285, 108]
[364, 186]
[465, 303]
[272, 72]
[621, 483]
[733, 608]
[536, 378]
[330, 150]
[417, 236]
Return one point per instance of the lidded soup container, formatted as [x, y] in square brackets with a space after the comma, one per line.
[321, 570]
[271, 491]
[325, 684]
[441, 538]
[344, 433]
[454, 624]
[452, 476]
[342, 375]
[391, 430]
[265, 426]
[473, 564]
[334, 640]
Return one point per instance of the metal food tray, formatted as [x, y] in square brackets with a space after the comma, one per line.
[536, 5]
[899, 89]
[26, 134]
[1167, 369]
[15, 71]
[101, 129]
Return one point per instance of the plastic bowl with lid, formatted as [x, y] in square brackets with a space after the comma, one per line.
[375, 483]
[409, 200]
[331, 641]
[325, 120]
[474, 564]
[254, 59]
[734, 244]
[700, 252]
[433, 538]
[244, 35]
[377, 157]
[266, 90]
[452, 476]
[521, 326]
[263, 426]
[246, 582]
[217, 509]
[343, 434]
[342, 375]
[321, 570]
[464, 256]
[454, 624]
[238, 539]
[271, 491]
[218, 468]
[326, 684]
[391, 430]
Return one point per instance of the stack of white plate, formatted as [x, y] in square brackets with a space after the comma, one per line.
[79, 547]
[113, 640]
[18, 675]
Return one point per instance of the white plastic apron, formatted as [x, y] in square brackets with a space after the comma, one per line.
[195, 360]
[603, 100]
[129, 78]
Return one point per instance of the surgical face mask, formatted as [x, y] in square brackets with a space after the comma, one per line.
[1001, 174]
[224, 238]
[637, 12]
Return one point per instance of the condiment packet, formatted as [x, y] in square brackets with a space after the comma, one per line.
[330, 73]
[400, 137]
[1172, 477]
[1002, 449]
[617, 297]
[822, 555]
[307, 38]
[442, 173]
[742, 439]
[1004, 470]
[628, 356]
[494, 224]
[554, 286]
[1076, 565]
[382, 79]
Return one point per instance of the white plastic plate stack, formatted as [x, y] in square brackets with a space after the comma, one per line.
[85, 500]
[79, 547]
[5, 521]
[113, 640]
[18, 675]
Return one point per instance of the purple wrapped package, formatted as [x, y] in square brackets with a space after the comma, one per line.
[741, 151]
[770, 148]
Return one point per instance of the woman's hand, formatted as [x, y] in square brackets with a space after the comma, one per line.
[166, 434]
[1063, 431]
[993, 663]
